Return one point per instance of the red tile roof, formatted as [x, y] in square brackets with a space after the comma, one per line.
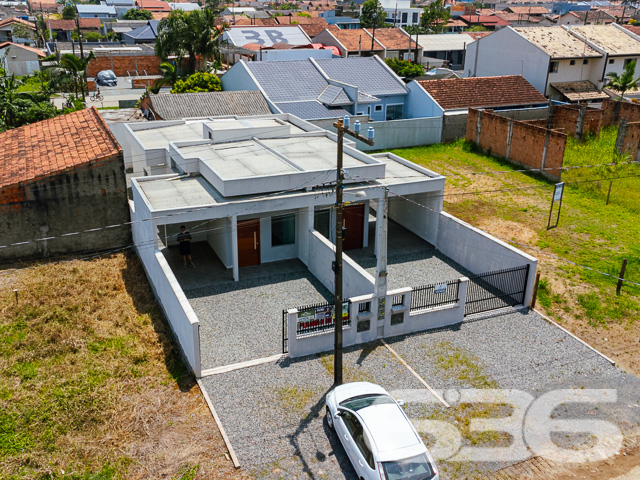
[31, 49]
[632, 28]
[357, 39]
[54, 145]
[529, 10]
[153, 5]
[10, 21]
[392, 38]
[483, 20]
[455, 93]
[70, 25]
[477, 35]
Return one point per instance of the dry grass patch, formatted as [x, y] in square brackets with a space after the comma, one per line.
[91, 383]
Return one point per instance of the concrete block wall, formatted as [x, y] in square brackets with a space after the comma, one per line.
[87, 196]
[142, 82]
[613, 111]
[121, 64]
[631, 142]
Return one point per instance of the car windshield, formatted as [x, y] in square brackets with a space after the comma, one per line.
[363, 401]
[413, 468]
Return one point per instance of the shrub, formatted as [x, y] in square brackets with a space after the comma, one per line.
[404, 68]
[198, 82]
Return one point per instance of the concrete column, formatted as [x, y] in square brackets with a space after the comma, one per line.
[381, 243]
[292, 324]
[622, 134]
[478, 127]
[580, 123]
[365, 240]
[509, 137]
[234, 247]
[545, 150]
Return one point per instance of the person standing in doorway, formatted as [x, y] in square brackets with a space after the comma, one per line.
[184, 239]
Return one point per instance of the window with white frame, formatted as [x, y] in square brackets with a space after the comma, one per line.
[394, 112]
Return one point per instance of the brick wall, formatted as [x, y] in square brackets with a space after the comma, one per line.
[121, 64]
[90, 195]
[631, 142]
[525, 147]
[628, 110]
[143, 82]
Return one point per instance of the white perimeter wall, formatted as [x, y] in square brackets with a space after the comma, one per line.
[424, 222]
[480, 252]
[356, 281]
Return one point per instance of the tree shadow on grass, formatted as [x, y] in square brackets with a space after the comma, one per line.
[138, 288]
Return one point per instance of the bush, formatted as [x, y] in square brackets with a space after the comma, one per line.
[92, 36]
[404, 68]
[198, 82]
[135, 14]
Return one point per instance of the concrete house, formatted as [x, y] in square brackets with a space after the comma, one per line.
[331, 88]
[19, 59]
[65, 28]
[444, 49]
[48, 192]
[255, 193]
[6, 30]
[542, 55]
[96, 11]
[145, 34]
[452, 98]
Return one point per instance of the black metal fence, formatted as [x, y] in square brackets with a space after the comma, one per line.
[318, 318]
[285, 333]
[498, 289]
[429, 296]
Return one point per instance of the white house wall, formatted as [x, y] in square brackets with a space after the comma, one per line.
[219, 239]
[574, 73]
[507, 53]
[414, 217]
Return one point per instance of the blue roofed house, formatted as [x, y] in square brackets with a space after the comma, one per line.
[145, 34]
[96, 11]
[319, 89]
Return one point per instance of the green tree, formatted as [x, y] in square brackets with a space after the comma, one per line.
[10, 106]
[198, 82]
[435, 17]
[189, 34]
[169, 76]
[18, 30]
[69, 12]
[477, 28]
[404, 68]
[71, 70]
[136, 14]
[372, 14]
[624, 82]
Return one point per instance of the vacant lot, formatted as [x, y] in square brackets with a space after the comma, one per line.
[91, 385]
[490, 194]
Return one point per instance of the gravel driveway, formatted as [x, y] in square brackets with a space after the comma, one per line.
[273, 413]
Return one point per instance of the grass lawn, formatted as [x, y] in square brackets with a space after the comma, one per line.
[515, 207]
[91, 384]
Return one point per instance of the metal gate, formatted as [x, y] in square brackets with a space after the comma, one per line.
[285, 333]
[498, 289]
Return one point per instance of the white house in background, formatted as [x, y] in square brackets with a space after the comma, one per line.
[401, 13]
[444, 49]
[542, 55]
[255, 189]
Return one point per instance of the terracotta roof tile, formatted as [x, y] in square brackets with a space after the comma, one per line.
[455, 93]
[153, 5]
[529, 10]
[483, 20]
[70, 25]
[12, 20]
[37, 51]
[54, 145]
[357, 39]
[393, 38]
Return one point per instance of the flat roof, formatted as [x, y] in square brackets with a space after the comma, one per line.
[180, 192]
[312, 153]
[161, 137]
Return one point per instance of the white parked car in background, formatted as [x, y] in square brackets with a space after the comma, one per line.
[377, 435]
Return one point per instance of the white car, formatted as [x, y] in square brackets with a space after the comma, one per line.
[377, 435]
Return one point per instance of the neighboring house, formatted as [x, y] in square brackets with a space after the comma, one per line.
[185, 7]
[560, 8]
[313, 24]
[146, 34]
[61, 176]
[542, 55]
[341, 22]
[96, 11]
[401, 13]
[19, 59]
[589, 17]
[124, 26]
[531, 10]
[6, 26]
[153, 6]
[521, 20]
[396, 43]
[65, 28]
[490, 22]
[249, 11]
[316, 89]
[266, 36]
[444, 48]
[176, 106]
[285, 51]
[435, 98]
[351, 43]
[121, 6]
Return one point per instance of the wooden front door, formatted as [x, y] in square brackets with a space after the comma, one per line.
[353, 220]
[248, 242]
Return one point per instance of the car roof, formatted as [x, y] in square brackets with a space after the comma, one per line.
[388, 427]
[355, 389]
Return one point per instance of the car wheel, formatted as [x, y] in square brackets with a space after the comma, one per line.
[330, 420]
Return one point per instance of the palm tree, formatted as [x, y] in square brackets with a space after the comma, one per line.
[189, 34]
[624, 82]
[169, 76]
[72, 69]
[9, 107]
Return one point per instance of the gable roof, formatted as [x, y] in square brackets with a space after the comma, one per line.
[11, 20]
[557, 42]
[153, 5]
[313, 29]
[70, 25]
[37, 51]
[580, 91]
[444, 42]
[518, 17]
[92, 9]
[393, 38]
[490, 20]
[176, 106]
[54, 145]
[531, 10]
[369, 74]
[610, 38]
[357, 39]
[597, 16]
[458, 93]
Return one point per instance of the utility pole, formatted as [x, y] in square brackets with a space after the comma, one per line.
[84, 75]
[342, 126]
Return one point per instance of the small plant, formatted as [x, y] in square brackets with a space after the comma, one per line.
[404, 68]
[198, 82]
